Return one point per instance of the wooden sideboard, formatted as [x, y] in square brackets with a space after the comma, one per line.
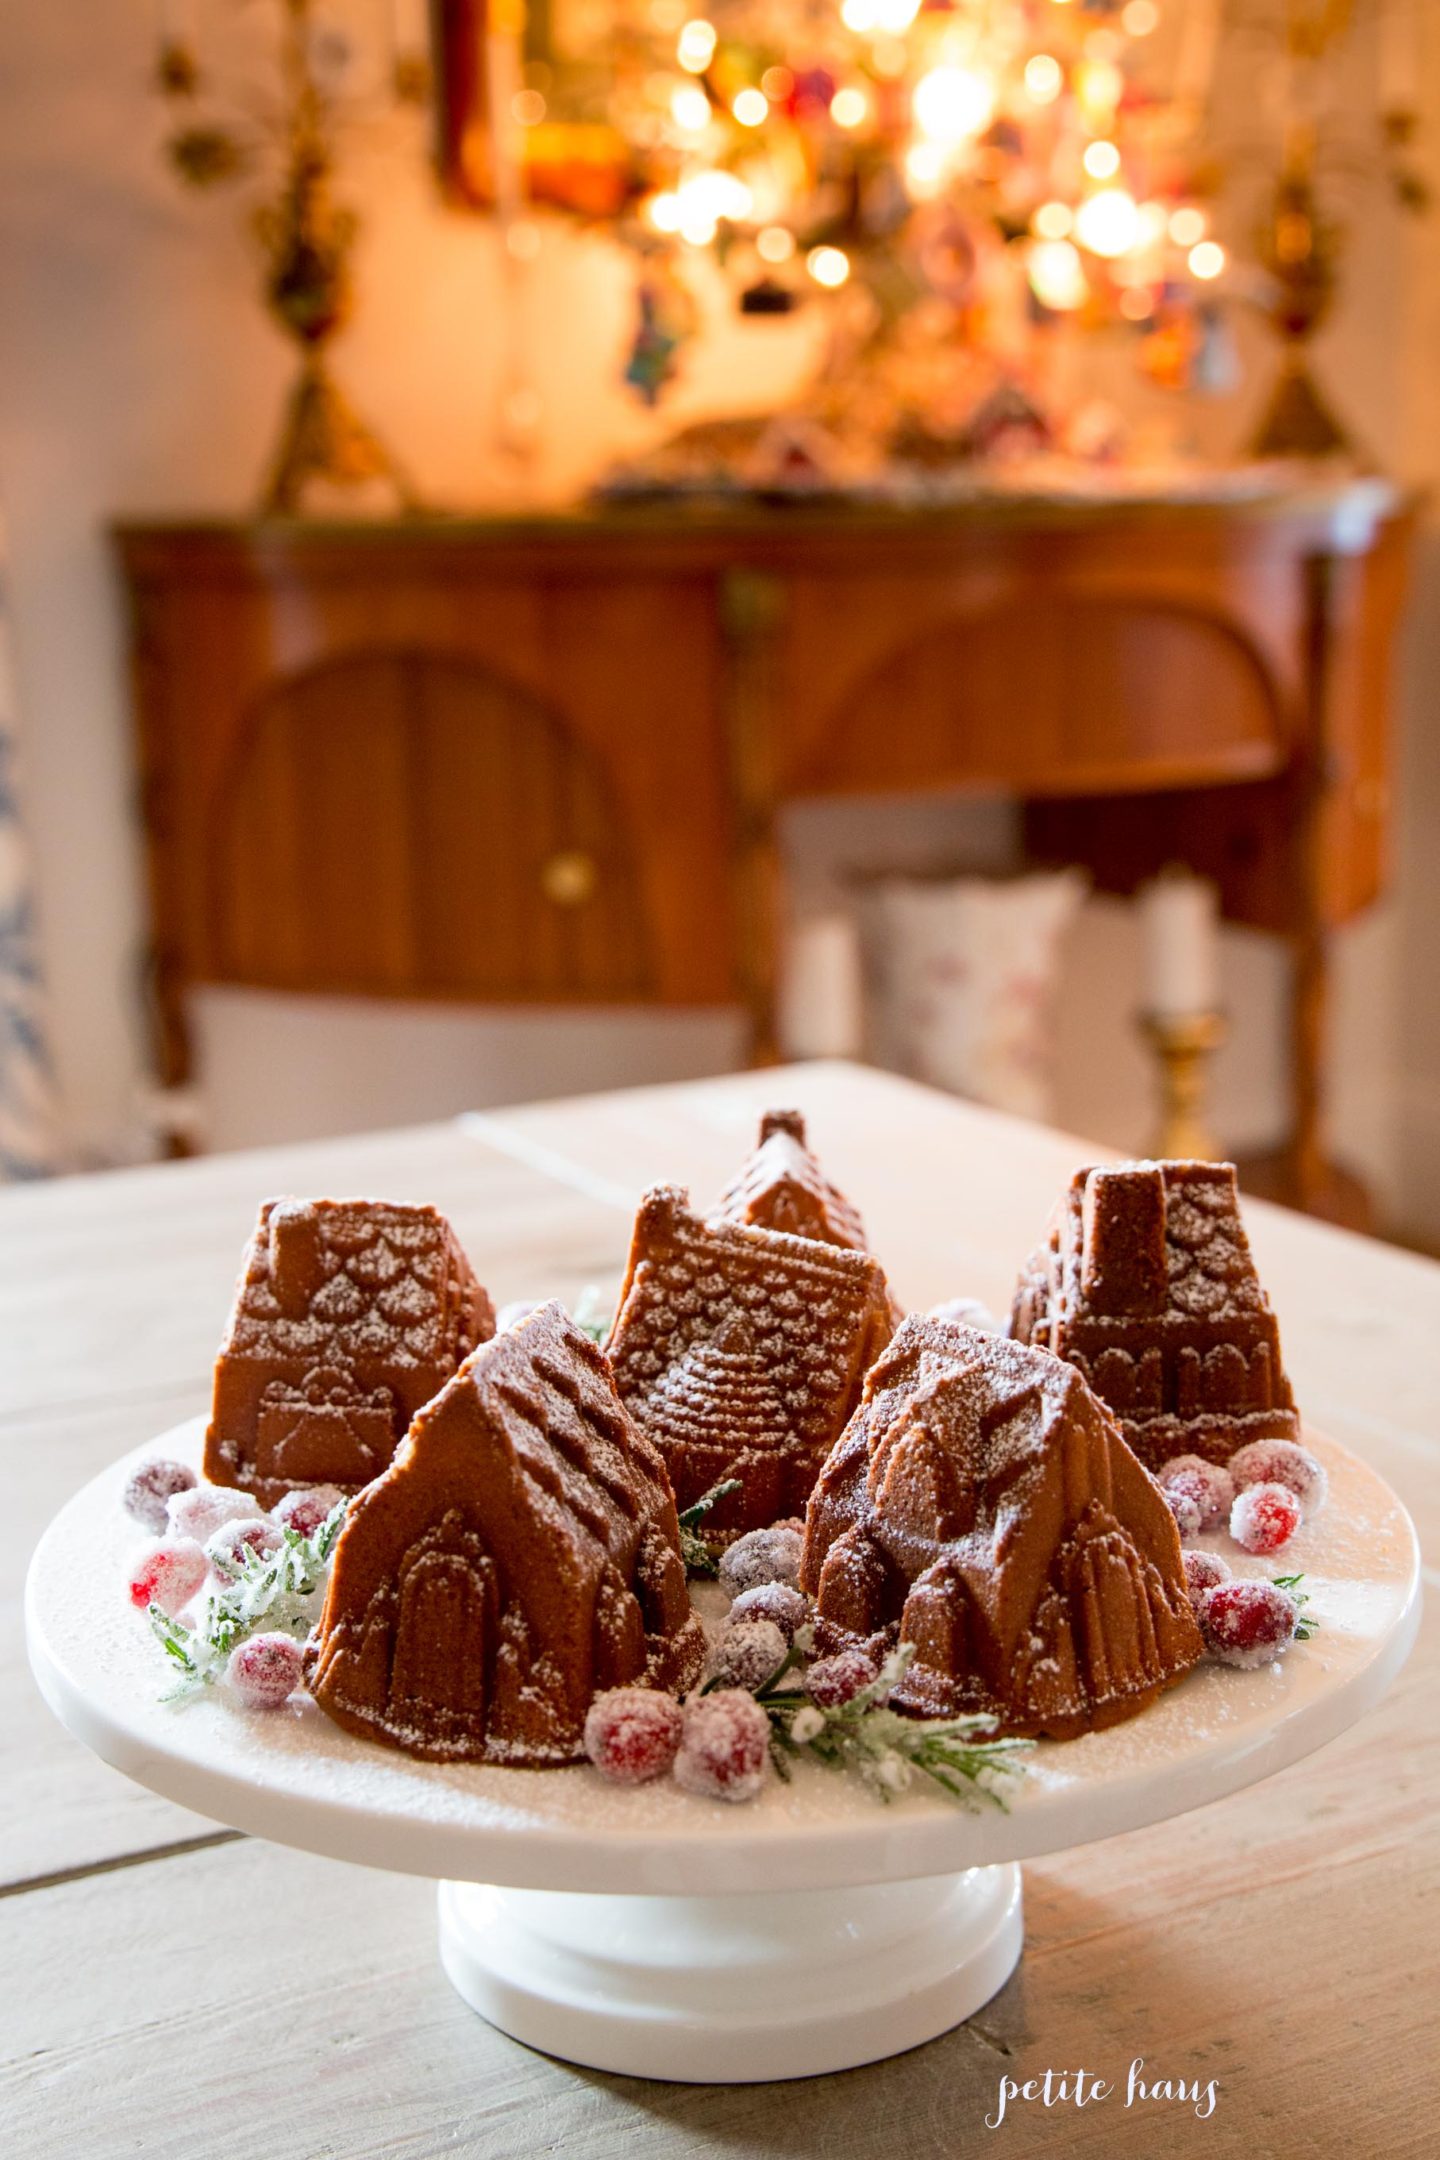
[541, 759]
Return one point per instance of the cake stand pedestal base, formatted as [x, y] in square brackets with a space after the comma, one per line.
[733, 1990]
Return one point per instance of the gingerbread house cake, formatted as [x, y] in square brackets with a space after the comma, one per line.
[741, 1352]
[520, 1554]
[984, 1507]
[1147, 1286]
[349, 1314]
[780, 1186]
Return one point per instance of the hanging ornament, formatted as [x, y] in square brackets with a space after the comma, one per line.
[664, 318]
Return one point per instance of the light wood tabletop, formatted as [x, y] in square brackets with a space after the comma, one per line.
[174, 1989]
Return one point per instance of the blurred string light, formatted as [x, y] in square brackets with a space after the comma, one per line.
[1044, 78]
[828, 266]
[695, 47]
[1207, 259]
[1187, 225]
[751, 108]
[1057, 275]
[1101, 160]
[953, 103]
[1108, 222]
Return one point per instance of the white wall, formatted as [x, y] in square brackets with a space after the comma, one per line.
[137, 374]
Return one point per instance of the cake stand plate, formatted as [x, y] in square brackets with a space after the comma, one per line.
[648, 1932]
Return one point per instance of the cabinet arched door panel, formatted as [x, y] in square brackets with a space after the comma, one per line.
[1052, 695]
[410, 824]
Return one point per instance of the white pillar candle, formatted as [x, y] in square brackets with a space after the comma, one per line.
[1179, 925]
[820, 1002]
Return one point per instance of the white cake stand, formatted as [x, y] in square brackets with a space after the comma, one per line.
[648, 1932]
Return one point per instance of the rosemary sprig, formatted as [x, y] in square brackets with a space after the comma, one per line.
[880, 1746]
[1307, 1624]
[594, 1312]
[699, 1555]
[277, 1591]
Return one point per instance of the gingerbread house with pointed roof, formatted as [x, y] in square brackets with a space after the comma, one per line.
[348, 1316]
[984, 1507]
[1146, 1284]
[781, 1186]
[741, 1352]
[520, 1555]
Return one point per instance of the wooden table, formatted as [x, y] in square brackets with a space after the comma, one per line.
[177, 1989]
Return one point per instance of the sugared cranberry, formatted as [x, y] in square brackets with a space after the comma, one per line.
[724, 1746]
[151, 1486]
[761, 1556]
[200, 1512]
[1202, 1571]
[745, 1655]
[169, 1575]
[1282, 1462]
[304, 1511]
[788, 1609]
[632, 1733]
[512, 1314]
[229, 1547]
[1264, 1517]
[967, 1312]
[264, 1670]
[1247, 1623]
[835, 1680]
[1184, 1507]
[1210, 1486]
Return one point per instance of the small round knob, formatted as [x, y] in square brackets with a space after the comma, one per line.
[569, 878]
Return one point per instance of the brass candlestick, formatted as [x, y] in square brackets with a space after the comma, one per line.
[1183, 1044]
[306, 237]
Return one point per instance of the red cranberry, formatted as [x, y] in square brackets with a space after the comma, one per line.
[724, 1746]
[761, 1556]
[305, 1511]
[789, 1609]
[631, 1734]
[1282, 1462]
[1246, 1622]
[835, 1680]
[1264, 1517]
[264, 1670]
[1203, 1570]
[744, 1656]
[151, 1486]
[1210, 1487]
[168, 1576]
[231, 1545]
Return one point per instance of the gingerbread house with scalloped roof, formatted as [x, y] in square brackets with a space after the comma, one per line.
[348, 1316]
[1146, 1284]
[519, 1555]
[741, 1352]
[984, 1508]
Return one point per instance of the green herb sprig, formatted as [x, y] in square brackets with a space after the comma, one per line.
[699, 1555]
[884, 1749]
[1307, 1624]
[277, 1591]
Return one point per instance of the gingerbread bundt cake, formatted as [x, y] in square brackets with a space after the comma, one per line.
[983, 1505]
[520, 1554]
[349, 1314]
[1147, 1286]
[741, 1352]
[780, 1186]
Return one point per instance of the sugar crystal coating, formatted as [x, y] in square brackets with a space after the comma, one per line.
[264, 1670]
[835, 1680]
[168, 1575]
[1264, 1517]
[632, 1734]
[151, 1487]
[1248, 1623]
[1282, 1462]
[724, 1746]
[228, 1547]
[306, 1508]
[1203, 1570]
[1184, 1507]
[201, 1510]
[746, 1654]
[761, 1556]
[1208, 1484]
[787, 1607]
